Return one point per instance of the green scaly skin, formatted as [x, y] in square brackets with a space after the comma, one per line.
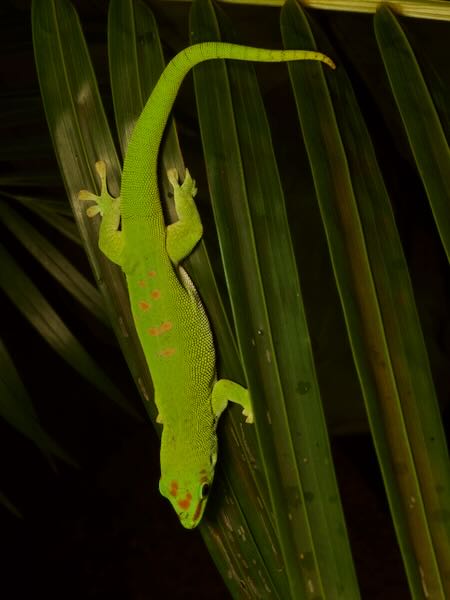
[170, 320]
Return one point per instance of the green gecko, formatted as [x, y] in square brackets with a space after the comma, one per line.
[168, 314]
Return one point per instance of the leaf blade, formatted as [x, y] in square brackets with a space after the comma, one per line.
[38, 312]
[354, 279]
[420, 118]
[54, 262]
[81, 135]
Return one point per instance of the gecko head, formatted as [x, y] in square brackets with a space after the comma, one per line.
[188, 487]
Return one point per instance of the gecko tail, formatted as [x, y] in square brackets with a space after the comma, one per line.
[140, 166]
[197, 53]
[153, 119]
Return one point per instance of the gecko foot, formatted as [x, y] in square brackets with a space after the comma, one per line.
[188, 186]
[104, 203]
[224, 391]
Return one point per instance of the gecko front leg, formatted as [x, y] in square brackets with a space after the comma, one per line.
[110, 239]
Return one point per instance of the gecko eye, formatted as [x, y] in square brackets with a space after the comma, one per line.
[204, 490]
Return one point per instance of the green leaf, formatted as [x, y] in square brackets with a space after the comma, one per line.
[272, 332]
[355, 277]
[55, 213]
[420, 118]
[34, 307]
[54, 262]
[407, 348]
[400, 318]
[81, 136]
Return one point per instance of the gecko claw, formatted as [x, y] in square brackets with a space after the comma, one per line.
[100, 167]
[249, 415]
[188, 185]
[172, 176]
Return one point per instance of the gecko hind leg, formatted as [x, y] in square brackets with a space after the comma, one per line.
[225, 391]
[110, 239]
[185, 234]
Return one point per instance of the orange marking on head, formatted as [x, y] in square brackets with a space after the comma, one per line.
[185, 502]
[151, 273]
[143, 305]
[141, 283]
[156, 294]
[173, 491]
[167, 326]
[167, 352]
[153, 331]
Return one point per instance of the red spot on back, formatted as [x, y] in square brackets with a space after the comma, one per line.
[151, 273]
[167, 352]
[141, 283]
[156, 294]
[173, 491]
[185, 502]
[167, 326]
[143, 305]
